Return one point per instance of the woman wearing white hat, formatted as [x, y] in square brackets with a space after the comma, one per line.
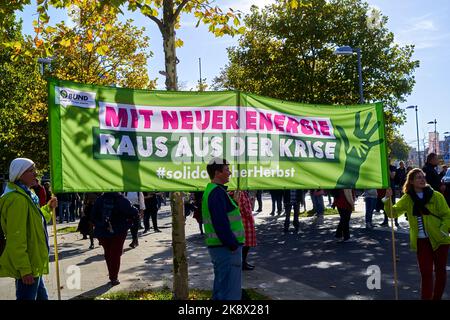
[24, 225]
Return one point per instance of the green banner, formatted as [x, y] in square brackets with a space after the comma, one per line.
[114, 139]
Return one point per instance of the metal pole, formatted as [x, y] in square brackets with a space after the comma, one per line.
[361, 93]
[435, 137]
[418, 144]
[394, 254]
[200, 71]
[55, 241]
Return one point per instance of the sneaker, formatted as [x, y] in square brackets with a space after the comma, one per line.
[145, 231]
[157, 230]
[134, 244]
[246, 266]
[114, 282]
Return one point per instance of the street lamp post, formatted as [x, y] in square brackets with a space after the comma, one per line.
[435, 138]
[417, 131]
[348, 51]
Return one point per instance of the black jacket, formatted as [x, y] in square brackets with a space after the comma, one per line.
[120, 216]
[432, 176]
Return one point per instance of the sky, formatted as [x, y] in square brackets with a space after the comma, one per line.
[424, 24]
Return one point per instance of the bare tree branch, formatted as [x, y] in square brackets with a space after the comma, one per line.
[180, 7]
[158, 22]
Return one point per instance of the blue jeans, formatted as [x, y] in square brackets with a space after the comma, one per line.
[371, 204]
[227, 273]
[35, 291]
[64, 207]
[318, 204]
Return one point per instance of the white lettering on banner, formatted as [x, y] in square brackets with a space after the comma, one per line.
[216, 144]
[71, 97]
[145, 152]
[183, 149]
[195, 172]
[203, 147]
[266, 148]
[223, 119]
[160, 143]
[107, 143]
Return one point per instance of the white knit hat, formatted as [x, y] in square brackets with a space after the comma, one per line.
[17, 167]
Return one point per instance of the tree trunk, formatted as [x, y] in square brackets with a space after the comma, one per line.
[169, 46]
[180, 263]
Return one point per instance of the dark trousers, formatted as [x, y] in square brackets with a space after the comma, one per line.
[245, 250]
[154, 215]
[134, 229]
[343, 229]
[72, 214]
[288, 207]
[113, 248]
[259, 199]
[135, 225]
[277, 197]
[427, 258]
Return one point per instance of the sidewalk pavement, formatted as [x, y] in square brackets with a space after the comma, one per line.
[149, 266]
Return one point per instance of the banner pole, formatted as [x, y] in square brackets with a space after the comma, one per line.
[394, 255]
[388, 176]
[55, 241]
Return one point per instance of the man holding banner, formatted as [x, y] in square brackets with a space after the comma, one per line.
[224, 232]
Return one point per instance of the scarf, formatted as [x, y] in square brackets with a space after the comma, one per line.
[35, 200]
[419, 208]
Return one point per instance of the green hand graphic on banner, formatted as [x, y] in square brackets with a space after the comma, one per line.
[356, 153]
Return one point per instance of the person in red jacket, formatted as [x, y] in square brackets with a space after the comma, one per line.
[246, 208]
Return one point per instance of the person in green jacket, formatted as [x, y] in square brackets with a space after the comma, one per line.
[24, 225]
[429, 224]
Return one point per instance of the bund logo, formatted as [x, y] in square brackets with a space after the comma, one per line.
[72, 97]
